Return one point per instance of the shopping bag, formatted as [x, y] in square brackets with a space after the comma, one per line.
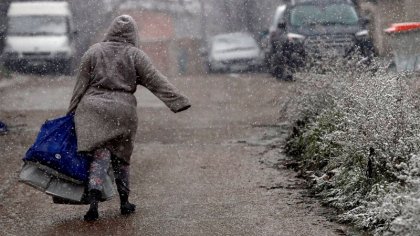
[56, 148]
[62, 189]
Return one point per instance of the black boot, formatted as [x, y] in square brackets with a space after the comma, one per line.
[125, 206]
[94, 197]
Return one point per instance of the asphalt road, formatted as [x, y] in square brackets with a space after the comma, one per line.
[207, 171]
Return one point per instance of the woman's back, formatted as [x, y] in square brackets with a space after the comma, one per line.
[113, 67]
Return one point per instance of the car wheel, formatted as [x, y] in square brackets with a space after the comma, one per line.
[276, 71]
[209, 68]
[282, 72]
[212, 70]
[276, 67]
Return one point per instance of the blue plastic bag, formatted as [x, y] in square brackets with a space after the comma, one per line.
[56, 148]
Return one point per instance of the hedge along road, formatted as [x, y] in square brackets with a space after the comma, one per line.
[192, 173]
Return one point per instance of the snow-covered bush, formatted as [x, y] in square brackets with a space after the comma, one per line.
[357, 133]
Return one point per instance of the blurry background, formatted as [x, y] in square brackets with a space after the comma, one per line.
[172, 31]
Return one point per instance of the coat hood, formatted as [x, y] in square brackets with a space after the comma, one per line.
[123, 29]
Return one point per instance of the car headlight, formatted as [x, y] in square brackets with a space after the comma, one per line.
[362, 34]
[292, 37]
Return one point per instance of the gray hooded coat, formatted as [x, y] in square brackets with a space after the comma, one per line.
[103, 100]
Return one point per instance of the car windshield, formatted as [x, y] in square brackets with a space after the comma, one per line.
[333, 14]
[37, 25]
[233, 42]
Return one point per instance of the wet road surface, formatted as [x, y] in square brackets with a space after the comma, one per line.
[206, 171]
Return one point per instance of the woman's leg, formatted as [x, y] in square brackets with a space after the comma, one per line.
[122, 178]
[97, 174]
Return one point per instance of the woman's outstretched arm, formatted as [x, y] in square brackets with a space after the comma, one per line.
[149, 77]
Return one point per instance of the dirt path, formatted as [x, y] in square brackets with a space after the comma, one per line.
[207, 171]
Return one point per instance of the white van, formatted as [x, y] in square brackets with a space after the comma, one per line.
[40, 34]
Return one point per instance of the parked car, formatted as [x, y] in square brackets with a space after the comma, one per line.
[316, 29]
[39, 34]
[233, 52]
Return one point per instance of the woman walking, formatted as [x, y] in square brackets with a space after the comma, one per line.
[105, 107]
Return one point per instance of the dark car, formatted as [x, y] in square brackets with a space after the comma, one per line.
[304, 29]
